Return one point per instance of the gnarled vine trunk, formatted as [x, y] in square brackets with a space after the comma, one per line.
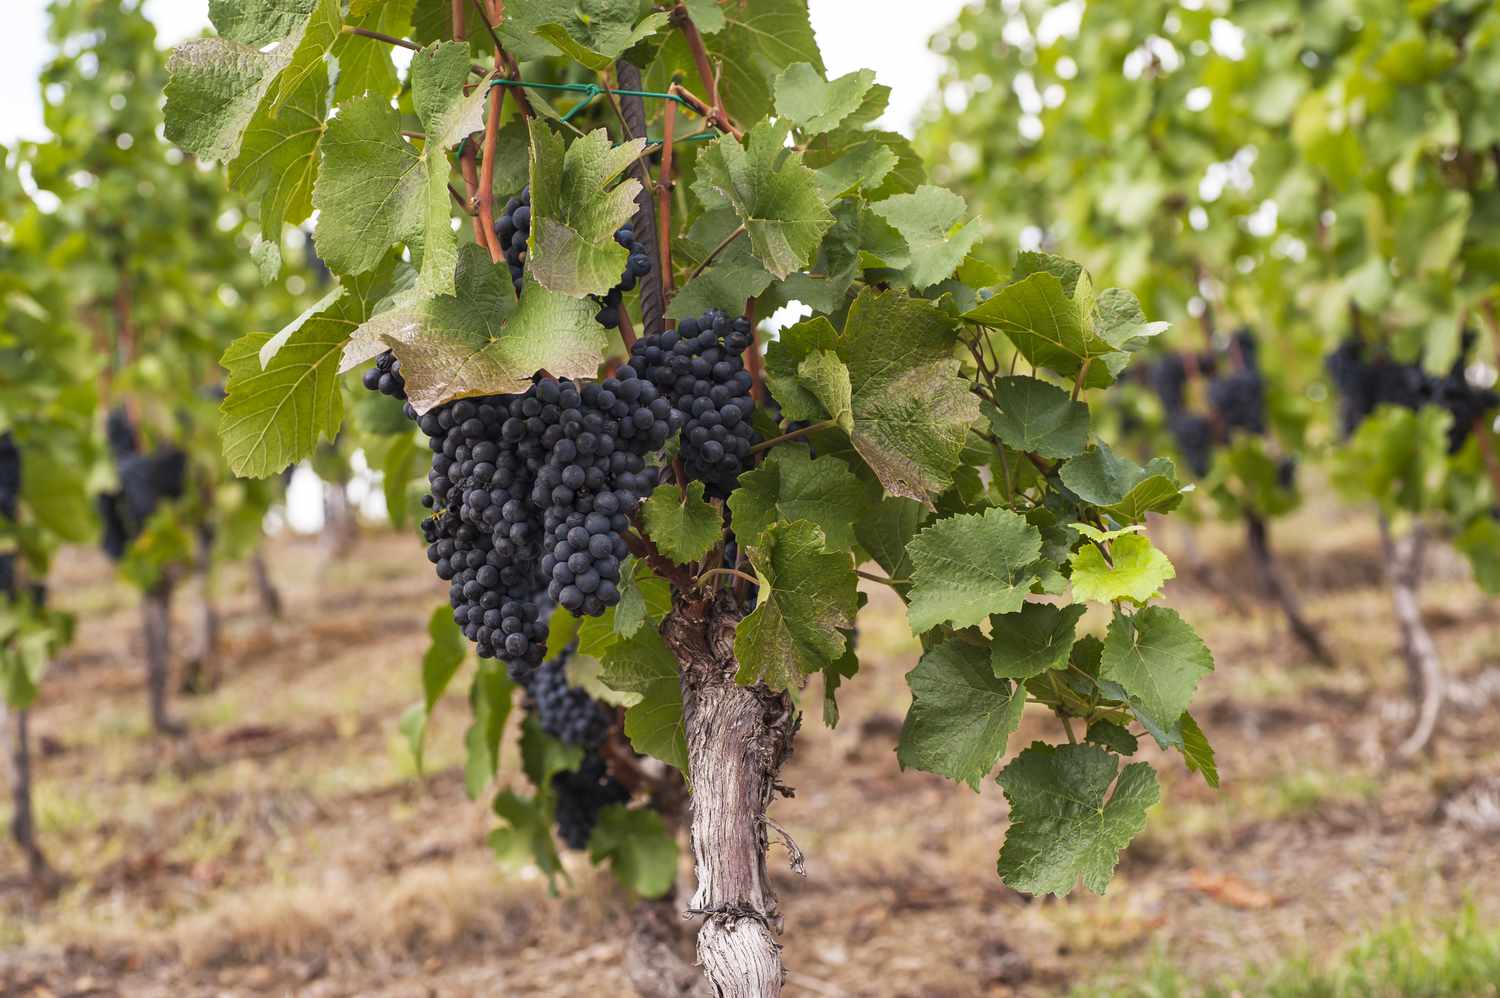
[737, 737]
[1424, 669]
[340, 524]
[1275, 586]
[202, 671]
[156, 626]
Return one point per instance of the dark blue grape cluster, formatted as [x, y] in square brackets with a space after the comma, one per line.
[1365, 382]
[1236, 397]
[637, 265]
[385, 377]
[581, 795]
[530, 498]
[145, 480]
[699, 367]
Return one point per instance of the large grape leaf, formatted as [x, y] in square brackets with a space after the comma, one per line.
[1036, 638]
[1064, 822]
[481, 340]
[574, 212]
[806, 595]
[282, 393]
[365, 64]
[1158, 659]
[683, 526]
[733, 276]
[969, 566]
[784, 357]
[218, 84]
[911, 409]
[278, 157]
[792, 485]
[816, 105]
[961, 715]
[859, 151]
[1049, 327]
[591, 32]
[927, 219]
[775, 196]
[375, 188]
[642, 664]
[641, 852]
[1121, 487]
[1034, 416]
[753, 42]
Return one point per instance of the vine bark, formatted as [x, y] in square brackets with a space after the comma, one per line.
[1424, 669]
[16, 723]
[738, 737]
[1271, 581]
[156, 624]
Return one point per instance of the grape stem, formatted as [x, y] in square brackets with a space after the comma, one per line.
[381, 36]
[801, 431]
[664, 200]
[683, 21]
[491, 130]
[723, 245]
[893, 583]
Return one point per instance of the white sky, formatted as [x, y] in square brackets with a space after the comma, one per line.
[888, 36]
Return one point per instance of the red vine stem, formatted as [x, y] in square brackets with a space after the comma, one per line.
[487, 176]
[664, 200]
[713, 116]
[714, 110]
[627, 329]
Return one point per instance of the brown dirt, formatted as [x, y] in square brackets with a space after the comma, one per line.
[286, 847]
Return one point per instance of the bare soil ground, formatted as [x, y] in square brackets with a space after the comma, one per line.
[287, 847]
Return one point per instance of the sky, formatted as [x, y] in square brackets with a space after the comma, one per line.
[888, 36]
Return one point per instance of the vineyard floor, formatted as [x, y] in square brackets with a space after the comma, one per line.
[287, 847]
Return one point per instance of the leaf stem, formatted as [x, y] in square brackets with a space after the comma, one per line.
[801, 431]
[730, 571]
[723, 245]
[683, 21]
[893, 583]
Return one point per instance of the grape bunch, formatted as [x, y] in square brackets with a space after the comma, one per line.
[530, 498]
[145, 480]
[1365, 383]
[1236, 393]
[581, 795]
[699, 367]
[385, 378]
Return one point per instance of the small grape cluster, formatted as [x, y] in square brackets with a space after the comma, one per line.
[385, 378]
[699, 367]
[570, 715]
[513, 228]
[1236, 398]
[581, 795]
[637, 265]
[10, 502]
[145, 480]
[1364, 383]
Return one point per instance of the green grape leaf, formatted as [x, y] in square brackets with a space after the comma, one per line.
[365, 63]
[591, 32]
[961, 715]
[754, 42]
[732, 277]
[806, 595]
[911, 409]
[1112, 736]
[683, 526]
[542, 756]
[849, 153]
[861, 167]
[792, 485]
[1066, 271]
[309, 44]
[1137, 572]
[258, 22]
[282, 393]
[928, 219]
[774, 195]
[1119, 486]
[1480, 543]
[574, 212]
[641, 853]
[481, 340]
[1196, 751]
[706, 15]
[1119, 321]
[1033, 640]
[526, 838]
[489, 704]
[1040, 418]
[784, 358]
[644, 596]
[1049, 327]
[278, 156]
[642, 664]
[826, 377]
[816, 105]
[1064, 822]
[1158, 659]
[834, 674]
[215, 87]
[376, 188]
[886, 531]
[969, 566]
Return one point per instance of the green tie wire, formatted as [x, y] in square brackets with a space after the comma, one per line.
[592, 90]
